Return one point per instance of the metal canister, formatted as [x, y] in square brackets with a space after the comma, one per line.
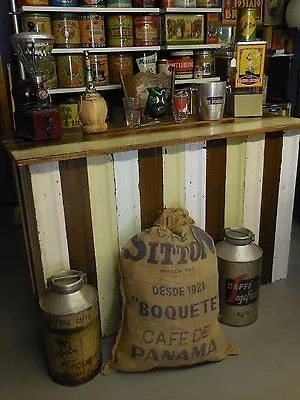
[118, 3]
[99, 69]
[146, 30]
[68, 109]
[70, 71]
[145, 62]
[70, 312]
[92, 32]
[239, 264]
[120, 62]
[92, 3]
[119, 30]
[34, 2]
[64, 3]
[143, 3]
[36, 22]
[66, 30]
[183, 61]
[246, 24]
[51, 81]
[203, 64]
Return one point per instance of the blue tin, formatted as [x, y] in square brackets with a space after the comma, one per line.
[64, 3]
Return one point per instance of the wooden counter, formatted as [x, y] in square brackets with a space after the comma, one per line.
[84, 196]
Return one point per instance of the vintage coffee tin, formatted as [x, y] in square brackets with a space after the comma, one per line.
[64, 3]
[119, 31]
[120, 62]
[92, 32]
[246, 24]
[70, 70]
[145, 62]
[34, 2]
[146, 30]
[68, 109]
[51, 81]
[183, 61]
[36, 22]
[92, 3]
[118, 3]
[203, 64]
[99, 69]
[66, 30]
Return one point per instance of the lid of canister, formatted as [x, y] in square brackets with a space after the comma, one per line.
[66, 282]
[239, 236]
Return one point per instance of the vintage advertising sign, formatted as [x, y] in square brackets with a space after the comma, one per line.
[250, 65]
[184, 29]
[229, 9]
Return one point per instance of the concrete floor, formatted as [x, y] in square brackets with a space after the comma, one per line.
[267, 367]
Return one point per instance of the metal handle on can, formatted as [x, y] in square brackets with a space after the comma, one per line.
[67, 281]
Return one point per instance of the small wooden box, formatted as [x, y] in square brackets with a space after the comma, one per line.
[184, 29]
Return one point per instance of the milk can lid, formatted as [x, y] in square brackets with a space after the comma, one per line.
[239, 236]
[66, 282]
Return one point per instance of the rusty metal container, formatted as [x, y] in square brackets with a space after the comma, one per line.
[239, 265]
[71, 328]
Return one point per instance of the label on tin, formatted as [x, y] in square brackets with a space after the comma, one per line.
[242, 290]
[203, 70]
[36, 23]
[92, 31]
[183, 67]
[66, 31]
[146, 31]
[246, 24]
[69, 115]
[120, 32]
[211, 101]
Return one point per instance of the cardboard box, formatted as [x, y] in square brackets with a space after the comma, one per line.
[244, 105]
[184, 29]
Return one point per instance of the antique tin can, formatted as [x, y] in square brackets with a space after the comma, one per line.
[34, 2]
[246, 24]
[145, 62]
[92, 3]
[146, 30]
[167, 3]
[239, 264]
[99, 69]
[184, 29]
[143, 3]
[207, 3]
[119, 31]
[122, 63]
[37, 22]
[51, 81]
[70, 71]
[66, 30]
[64, 3]
[92, 32]
[68, 109]
[183, 61]
[118, 3]
[70, 313]
[203, 64]
[185, 3]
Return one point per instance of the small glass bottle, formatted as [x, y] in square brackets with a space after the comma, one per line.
[92, 107]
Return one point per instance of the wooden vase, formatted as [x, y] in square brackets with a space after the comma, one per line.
[92, 110]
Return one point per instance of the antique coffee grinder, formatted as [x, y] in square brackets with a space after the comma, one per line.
[36, 118]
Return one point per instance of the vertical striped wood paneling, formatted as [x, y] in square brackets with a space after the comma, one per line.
[235, 181]
[151, 185]
[253, 183]
[270, 187]
[49, 211]
[195, 181]
[285, 207]
[215, 188]
[105, 234]
[76, 199]
[126, 170]
[173, 176]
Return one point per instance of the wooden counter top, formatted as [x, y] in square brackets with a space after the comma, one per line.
[76, 145]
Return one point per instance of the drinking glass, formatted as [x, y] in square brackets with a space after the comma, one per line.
[180, 105]
[132, 111]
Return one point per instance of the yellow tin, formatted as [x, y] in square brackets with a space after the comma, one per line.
[246, 24]
[70, 70]
[68, 109]
[36, 22]
[66, 30]
[92, 32]
[120, 31]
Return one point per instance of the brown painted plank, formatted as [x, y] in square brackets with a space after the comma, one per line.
[76, 199]
[270, 188]
[215, 188]
[151, 185]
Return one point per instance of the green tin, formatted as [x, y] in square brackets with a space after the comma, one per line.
[246, 24]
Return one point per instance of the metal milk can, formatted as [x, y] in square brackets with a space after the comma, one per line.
[239, 265]
[72, 328]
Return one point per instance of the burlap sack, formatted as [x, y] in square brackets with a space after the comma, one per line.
[170, 298]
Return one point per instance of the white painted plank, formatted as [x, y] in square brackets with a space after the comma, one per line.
[253, 183]
[195, 181]
[49, 210]
[173, 176]
[285, 204]
[126, 170]
[106, 244]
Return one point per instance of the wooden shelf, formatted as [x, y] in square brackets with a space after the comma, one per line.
[82, 89]
[194, 10]
[98, 10]
[78, 50]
